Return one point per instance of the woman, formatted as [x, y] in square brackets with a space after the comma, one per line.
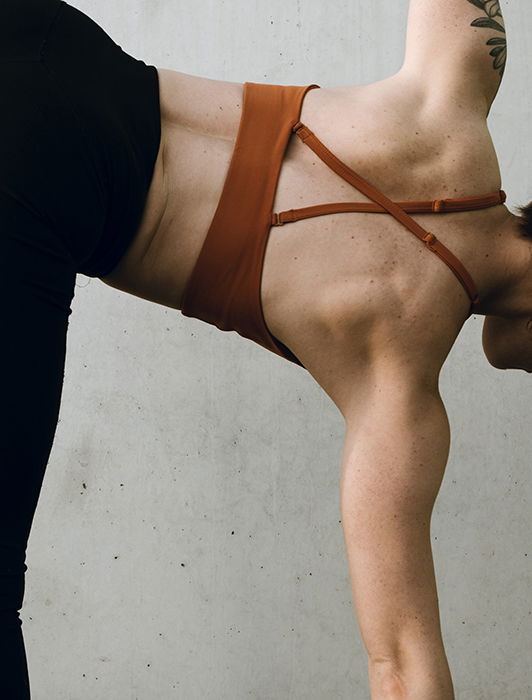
[175, 188]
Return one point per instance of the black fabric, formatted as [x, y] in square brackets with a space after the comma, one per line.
[80, 128]
[79, 137]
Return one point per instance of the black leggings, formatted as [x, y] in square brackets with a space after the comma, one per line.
[79, 137]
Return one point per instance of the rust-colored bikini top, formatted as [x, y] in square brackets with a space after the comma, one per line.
[400, 210]
[224, 288]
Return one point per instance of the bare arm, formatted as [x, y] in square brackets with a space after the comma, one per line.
[393, 464]
[457, 48]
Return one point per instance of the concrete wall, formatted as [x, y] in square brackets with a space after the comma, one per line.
[187, 542]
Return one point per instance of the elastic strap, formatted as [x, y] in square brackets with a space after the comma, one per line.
[435, 206]
[432, 243]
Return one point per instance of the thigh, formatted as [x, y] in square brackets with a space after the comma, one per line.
[37, 280]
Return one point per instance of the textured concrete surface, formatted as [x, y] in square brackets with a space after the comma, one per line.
[187, 542]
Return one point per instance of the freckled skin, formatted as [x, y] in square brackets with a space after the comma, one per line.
[419, 134]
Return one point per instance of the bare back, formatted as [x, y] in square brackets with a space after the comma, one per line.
[336, 287]
[339, 289]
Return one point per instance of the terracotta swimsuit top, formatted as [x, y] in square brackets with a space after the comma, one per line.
[399, 210]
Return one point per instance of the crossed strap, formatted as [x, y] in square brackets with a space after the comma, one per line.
[381, 204]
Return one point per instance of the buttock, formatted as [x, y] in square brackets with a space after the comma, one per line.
[81, 129]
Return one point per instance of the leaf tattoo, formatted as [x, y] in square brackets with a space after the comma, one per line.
[492, 9]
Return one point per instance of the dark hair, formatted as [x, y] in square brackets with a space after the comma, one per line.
[525, 224]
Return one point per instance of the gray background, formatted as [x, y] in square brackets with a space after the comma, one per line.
[187, 542]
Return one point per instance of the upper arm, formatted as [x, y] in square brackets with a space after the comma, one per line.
[393, 464]
[457, 48]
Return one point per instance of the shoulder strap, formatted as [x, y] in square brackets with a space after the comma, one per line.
[430, 240]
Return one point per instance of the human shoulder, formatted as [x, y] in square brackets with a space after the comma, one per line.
[456, 50]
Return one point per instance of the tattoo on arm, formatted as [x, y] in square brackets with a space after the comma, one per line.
[492, 9]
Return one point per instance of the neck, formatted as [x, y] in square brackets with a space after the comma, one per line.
[505, 282]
